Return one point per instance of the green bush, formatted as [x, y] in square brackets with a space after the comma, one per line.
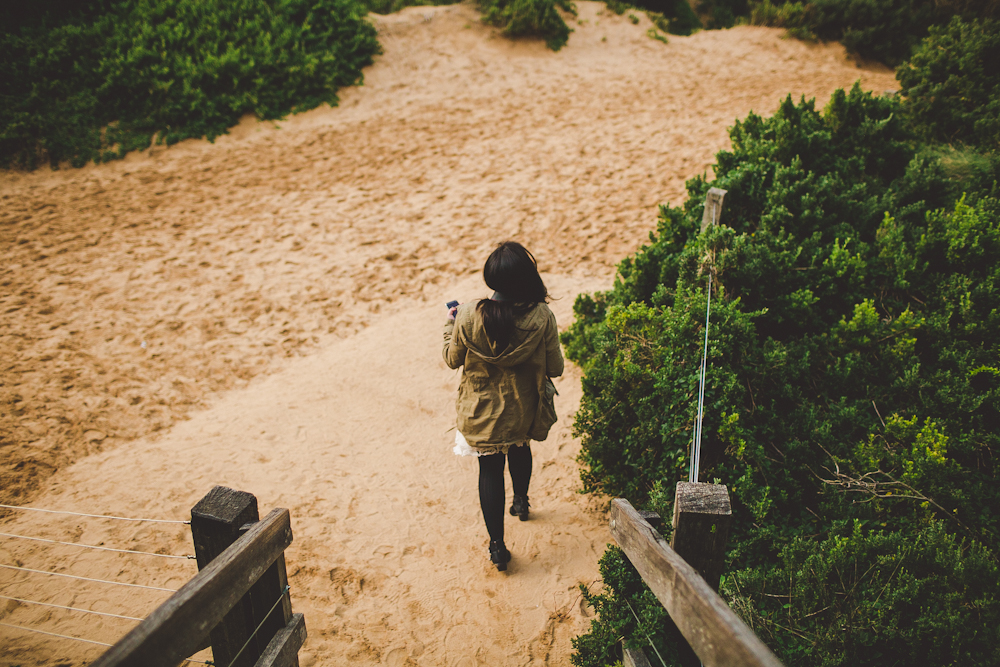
[853, 392]
[795, 16]
[673, 16]
[99, 82]
[889, 31]
[951, 86]
[530, 18]
[883, 30]
[717, 14]
[924, 598]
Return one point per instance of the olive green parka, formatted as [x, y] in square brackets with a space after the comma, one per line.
[503, 394]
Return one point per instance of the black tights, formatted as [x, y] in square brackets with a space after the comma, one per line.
[491, 493]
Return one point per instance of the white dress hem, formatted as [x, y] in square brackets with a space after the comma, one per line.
[463, 448]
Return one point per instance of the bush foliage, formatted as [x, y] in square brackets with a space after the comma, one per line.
[853, 401]
[95, 79]
[673, 16]
[101, 79]
[530, 18]
[885, 30]
[951, 86]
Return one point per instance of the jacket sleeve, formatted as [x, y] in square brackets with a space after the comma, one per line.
[454, 348]
[553, 353]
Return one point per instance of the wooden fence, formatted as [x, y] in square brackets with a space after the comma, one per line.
[238, 603]
[684, 576]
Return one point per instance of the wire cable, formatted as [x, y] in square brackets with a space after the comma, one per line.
[59, 606]
[96, 516]
[638, 623]
[53, 634]
[91, 546]
[694, 470]
[696, 460]
[259, 625]
[88, 641]
[102, 581]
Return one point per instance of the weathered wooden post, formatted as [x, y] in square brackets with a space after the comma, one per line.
[713, 207]
[702, 516]
[217, 521]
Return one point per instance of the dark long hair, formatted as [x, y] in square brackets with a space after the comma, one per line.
[511, 271]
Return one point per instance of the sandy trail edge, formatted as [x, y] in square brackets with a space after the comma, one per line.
[233, 259]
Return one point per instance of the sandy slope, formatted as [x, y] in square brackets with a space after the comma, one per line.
[337, 238]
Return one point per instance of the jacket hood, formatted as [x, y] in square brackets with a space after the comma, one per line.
[526, 339]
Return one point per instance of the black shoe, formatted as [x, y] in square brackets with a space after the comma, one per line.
[499, 555]
[519, 507]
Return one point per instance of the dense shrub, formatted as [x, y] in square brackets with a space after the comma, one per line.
[876, 598]
[854, 381]
[673, 16]
[722, 13]
[103, 80]
[530, 18]
[885, 30]
[951, 86]
[791, 15]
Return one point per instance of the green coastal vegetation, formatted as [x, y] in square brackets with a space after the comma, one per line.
[889, 31]
[530, 18]
[91, 80]
[853, 396]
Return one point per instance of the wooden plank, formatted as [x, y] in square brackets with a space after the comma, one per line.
[714, 631]
[283, 651]
[635, 657]
[217, 521]
[173, 631]
[702, 516]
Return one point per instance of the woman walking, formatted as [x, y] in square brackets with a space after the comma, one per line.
[509, 348]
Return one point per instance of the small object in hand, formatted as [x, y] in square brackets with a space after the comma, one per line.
[451, 304]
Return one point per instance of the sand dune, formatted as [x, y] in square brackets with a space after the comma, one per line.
[264, 313]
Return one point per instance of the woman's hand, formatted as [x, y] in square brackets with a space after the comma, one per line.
[452, 311]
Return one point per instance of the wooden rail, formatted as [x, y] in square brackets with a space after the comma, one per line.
[221, 593]
[714, 632]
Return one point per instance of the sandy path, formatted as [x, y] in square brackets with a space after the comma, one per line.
[389, 559]
[336, 238]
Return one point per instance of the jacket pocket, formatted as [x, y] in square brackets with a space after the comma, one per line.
[545, 415]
